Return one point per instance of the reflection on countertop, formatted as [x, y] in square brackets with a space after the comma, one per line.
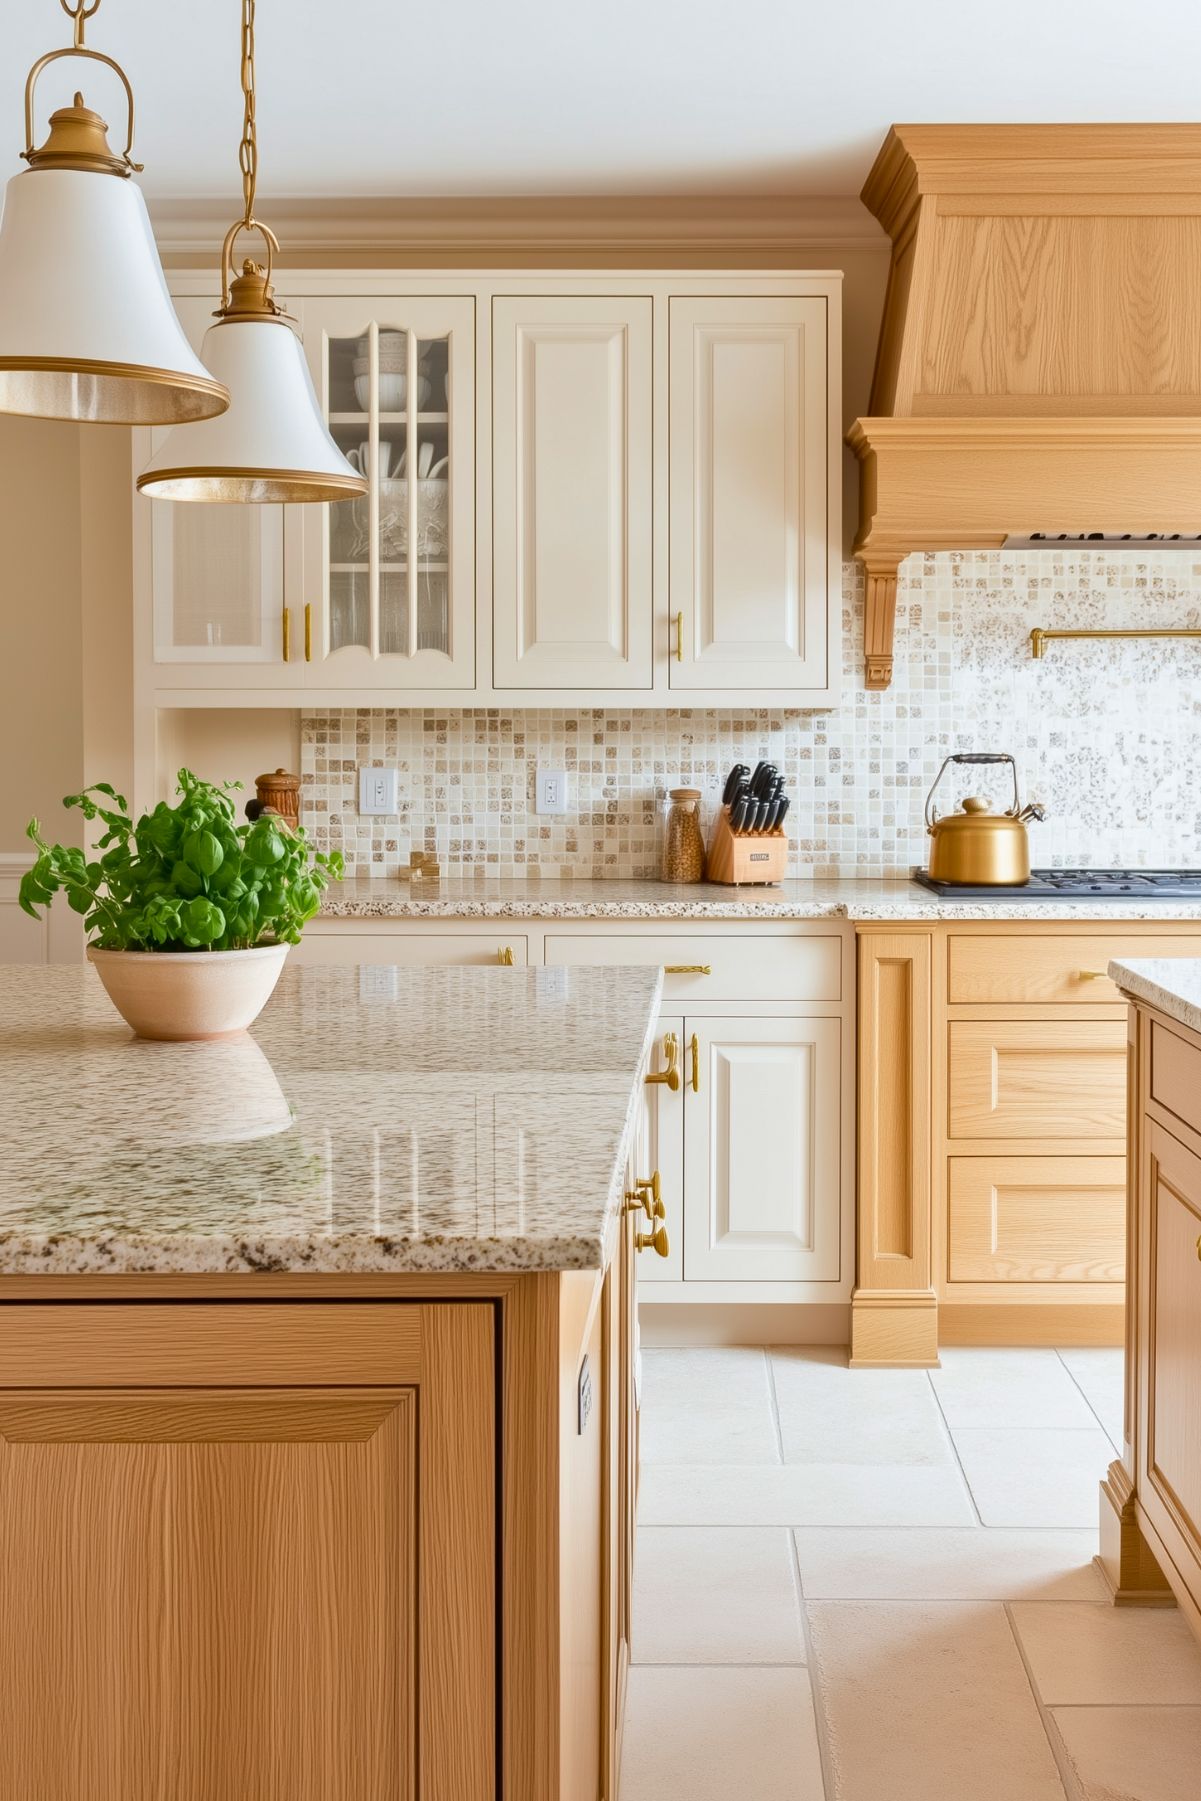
[367, 897]
[376, 1120]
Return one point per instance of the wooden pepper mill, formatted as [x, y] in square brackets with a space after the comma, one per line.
[279, 792]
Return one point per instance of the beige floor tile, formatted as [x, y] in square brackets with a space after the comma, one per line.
[832, 1414]
[1100, 1371]
[927, 1702]
[810, 1494]
[1084, 1655]
[1008, 1388]
[1133, 1753]
[1042, 1477]
[980, 1563]
[707, 1407]
[716, 1594]
[713, 1734]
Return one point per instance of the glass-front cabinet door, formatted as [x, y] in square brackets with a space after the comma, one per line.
[388, 582]
[217, 571]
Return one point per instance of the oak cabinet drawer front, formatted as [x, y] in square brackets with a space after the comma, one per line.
[1173, 1445]
[416, 950]
[1176, 1075]
[1036, 967]
[1036, 1219]
[1045, 1079]
[717, 967]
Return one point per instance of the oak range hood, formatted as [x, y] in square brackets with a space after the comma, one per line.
[1039, 365]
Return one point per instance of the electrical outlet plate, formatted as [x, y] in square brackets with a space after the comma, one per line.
[378, 791]
[550, 791]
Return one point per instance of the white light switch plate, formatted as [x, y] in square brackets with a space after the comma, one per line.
[378, 791]
[550, 791]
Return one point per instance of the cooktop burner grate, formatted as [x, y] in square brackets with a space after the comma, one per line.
[1079, 884]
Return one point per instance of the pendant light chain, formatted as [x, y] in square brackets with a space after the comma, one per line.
[81, 12]
[248, 149]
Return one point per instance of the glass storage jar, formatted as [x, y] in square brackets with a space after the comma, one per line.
[683, 842]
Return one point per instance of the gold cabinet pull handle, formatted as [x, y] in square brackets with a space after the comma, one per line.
[688, 969]
[1199, 1247]
[647, 1194]
[670, 1076]
[308, 632]
[653, 1241]
[679, 637]
[1091, 975]
[695, 1049]
[287, 633]
[504, 956]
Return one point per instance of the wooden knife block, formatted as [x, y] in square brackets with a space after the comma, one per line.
[757, 857]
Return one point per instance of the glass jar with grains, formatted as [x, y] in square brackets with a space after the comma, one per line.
[683, 842]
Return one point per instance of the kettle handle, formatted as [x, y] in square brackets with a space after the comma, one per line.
[972, 756]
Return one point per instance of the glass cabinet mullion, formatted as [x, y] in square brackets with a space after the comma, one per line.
[413, 442]
[373, 556]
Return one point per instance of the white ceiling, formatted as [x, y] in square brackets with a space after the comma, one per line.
[472, 97]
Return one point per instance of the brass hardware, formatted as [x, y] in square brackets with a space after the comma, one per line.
[670, 1076]
[679, 637]
[505, 957]
[1041, 636]
[287, 633]
[1199, 1247]
[1091, 975]
[976, 845]
[77, 135]
[308, 631]
[688, 969]
[653, 1241]
[646, 1194]
[695, 1048]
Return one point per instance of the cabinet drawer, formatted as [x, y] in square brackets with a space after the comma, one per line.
[417, 950]
[1029, 966]
[721, 967]
[1176, 1076]
[1037, 1078]
[1036, 1219]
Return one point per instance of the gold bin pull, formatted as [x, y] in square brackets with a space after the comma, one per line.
[670, 1076]
[688, 969]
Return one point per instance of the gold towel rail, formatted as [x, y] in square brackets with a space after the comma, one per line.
[1041, 636]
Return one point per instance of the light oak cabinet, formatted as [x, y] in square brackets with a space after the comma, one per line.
[631, 487]
[572, 500]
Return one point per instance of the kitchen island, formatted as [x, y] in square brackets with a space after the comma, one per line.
[317, 1373]
[1151, 1497]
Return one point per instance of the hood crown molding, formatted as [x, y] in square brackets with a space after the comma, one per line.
[1039, 364]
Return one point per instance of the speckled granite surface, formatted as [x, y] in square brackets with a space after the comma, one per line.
[362, 897]
[1170, 984]
[374, 1120]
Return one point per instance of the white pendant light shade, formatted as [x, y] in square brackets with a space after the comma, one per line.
[272, 444]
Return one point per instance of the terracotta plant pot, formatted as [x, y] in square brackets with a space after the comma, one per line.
[184, 995]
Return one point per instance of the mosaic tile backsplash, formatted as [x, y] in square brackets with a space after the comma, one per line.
[1107, 736]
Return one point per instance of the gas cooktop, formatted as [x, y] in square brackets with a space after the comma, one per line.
[1079, 884]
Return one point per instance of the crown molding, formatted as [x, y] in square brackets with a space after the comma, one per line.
[431, 230]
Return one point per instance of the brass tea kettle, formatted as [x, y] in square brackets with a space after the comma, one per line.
[976, 846]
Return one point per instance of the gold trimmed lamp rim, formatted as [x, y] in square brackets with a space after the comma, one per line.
[276, 484]
[138, 373]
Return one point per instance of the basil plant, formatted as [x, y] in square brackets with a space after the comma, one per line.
[184, 878]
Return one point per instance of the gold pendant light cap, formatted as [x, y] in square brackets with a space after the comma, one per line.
[251, 295]
[78, 140]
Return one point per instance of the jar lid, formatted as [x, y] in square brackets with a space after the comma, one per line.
[277, 778]
[684, 793]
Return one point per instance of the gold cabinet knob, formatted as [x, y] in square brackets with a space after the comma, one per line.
[653, 1241]
[671, 1075]
[647, 1194]
[1091, 975]
[505, 957]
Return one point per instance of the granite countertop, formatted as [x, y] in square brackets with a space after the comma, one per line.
[377, 1120]
[1170, 984]
[368, 897]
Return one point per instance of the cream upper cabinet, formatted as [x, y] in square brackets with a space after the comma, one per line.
[761, 1150]
[388, 578]
[755, 565]
[572, 461]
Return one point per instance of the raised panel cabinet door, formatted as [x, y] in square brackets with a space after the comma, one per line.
[277, 1584]
[761, 1151]
[1036, 1219]
[1042, 1078]
[386, 595]
[1170, 1451]
[754, 572]
[572, 492]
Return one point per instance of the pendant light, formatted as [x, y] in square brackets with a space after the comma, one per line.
[272, 444]
[87, 329]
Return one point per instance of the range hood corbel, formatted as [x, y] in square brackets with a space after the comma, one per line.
[1039, 361]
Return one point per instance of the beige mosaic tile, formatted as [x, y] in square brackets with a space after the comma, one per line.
[1105, 735]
